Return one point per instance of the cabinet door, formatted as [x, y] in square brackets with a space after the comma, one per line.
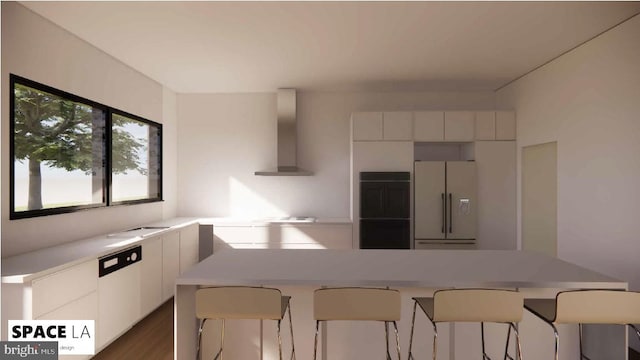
[170, 263]
[485, 125]
[429, 193]
[397, 125]
[372, 200]
[428, 126]
[367, 126]
[57, 289]
[461, 200]
[151, 275]
[505, 125]
[459, 125]
[188, 247]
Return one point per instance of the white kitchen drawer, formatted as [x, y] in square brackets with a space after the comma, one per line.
[84, 308]
[52, 291]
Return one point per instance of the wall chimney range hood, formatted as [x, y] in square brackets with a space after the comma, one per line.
[287, 137]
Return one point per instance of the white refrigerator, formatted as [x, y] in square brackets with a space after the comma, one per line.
[445, 205]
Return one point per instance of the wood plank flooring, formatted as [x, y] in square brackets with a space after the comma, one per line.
[151, 338]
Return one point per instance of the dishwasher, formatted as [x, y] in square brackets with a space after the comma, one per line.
[118, 293]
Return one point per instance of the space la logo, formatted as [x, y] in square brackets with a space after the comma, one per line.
[74, 337]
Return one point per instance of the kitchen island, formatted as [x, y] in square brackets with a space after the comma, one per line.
[414, 272]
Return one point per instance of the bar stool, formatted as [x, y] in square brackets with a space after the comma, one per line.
[242, 302]
[471, 305]
[587, 307]
[357, 304]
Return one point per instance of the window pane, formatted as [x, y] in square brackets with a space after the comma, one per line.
[58, 151]
[135, 157]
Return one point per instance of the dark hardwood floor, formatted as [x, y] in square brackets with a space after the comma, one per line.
[151, 338]
[634, 355]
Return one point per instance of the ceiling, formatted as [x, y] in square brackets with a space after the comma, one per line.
[210, 47]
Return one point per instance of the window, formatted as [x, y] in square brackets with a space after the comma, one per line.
[61, 153]
[135, 159]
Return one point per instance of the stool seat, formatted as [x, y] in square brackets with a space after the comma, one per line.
[471, 305]
[242, 302]
[587, 307]
[357, 304]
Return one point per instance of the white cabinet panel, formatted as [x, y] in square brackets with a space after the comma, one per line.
[367, 126]
[505, 125]
[428, 126]
[496, 163]
[170, 263]
[397, 125]
[459, 125]
[151, 275]
[485, 125]
[189, 246]
[118, 303]
[55, 290]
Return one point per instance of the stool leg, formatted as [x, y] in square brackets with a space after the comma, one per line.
[636, 330]
[395, 327]
[219, 354]
[315, 344]
[555, 333]
[484, 353]
[202, 321]
[506, 348]
[386, 333]
[519, 348]
[279, 341]
[413, 322]
[293, 347]
[435, 343]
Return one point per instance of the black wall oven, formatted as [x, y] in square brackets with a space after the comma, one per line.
[384, 210]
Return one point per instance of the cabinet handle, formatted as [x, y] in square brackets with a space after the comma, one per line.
[450, 214]
[444, 212]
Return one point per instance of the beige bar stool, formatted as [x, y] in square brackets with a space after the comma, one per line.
[471, 305]
[587, 307]
[242, 302]
[357, 304]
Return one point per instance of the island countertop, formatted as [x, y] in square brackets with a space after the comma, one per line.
[401, 268]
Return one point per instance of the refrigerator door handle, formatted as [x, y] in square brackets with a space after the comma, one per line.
[444, 213]
[450, 214]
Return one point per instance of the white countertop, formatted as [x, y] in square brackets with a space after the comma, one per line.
[395, 268]
[24, 267]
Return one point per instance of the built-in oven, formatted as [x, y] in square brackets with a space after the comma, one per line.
[385, 210]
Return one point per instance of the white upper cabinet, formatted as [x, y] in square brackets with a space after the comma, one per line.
[397, 125]
[485, 125]
[367, 126]
[505, 125]
[459, 125]
[428, 126]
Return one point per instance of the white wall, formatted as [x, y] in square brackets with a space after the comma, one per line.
[224, 138]
[589, 102]
[37, 49]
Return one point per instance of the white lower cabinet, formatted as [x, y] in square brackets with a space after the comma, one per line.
[170, 263]
[283, 236]
[55, 290]
[151, 275]
[118, 303]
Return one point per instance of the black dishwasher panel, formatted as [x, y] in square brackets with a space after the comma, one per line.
[114, 262]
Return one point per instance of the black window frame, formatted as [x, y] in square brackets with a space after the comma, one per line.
[109, 171]
[107, 148]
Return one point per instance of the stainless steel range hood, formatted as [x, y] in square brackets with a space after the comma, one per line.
[287, 137]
